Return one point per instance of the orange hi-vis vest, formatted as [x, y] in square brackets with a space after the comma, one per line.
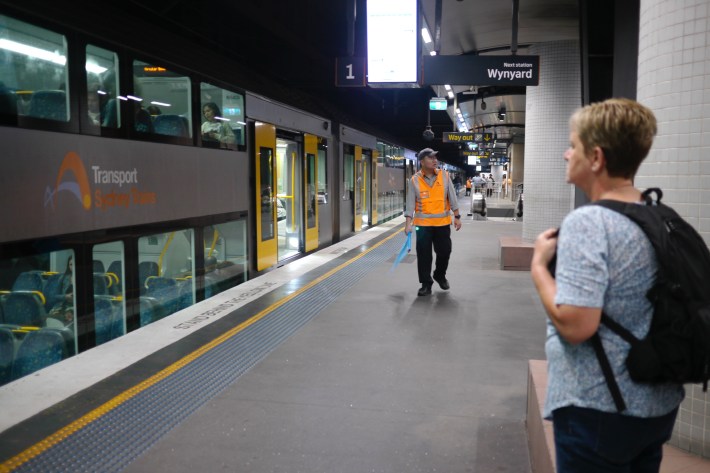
[431, 206]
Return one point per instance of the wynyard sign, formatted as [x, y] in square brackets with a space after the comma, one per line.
[481, 70]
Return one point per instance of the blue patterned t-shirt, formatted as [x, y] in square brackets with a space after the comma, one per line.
[603, 260]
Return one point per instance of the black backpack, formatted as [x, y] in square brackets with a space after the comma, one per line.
[677, 347]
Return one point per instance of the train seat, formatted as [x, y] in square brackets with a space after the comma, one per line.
[104, 320]
[99, 266]
[7, 354]
[29, 281]
[109, 115]
[171, 125]
[115, 268]
[49, 104]
[145, 269]
[38, 350]
[165, 291]
[53, 290]
[24, 308]
[150, 310]
[101, 284]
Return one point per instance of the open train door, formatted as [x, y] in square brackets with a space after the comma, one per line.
[265, 185]
[359, 183]
[310, 180]
[373, 190]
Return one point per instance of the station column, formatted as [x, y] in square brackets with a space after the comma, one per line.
[548, 198]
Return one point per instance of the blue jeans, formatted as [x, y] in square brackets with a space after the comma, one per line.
[591, 441]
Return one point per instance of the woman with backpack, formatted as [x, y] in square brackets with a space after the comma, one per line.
[604, 264]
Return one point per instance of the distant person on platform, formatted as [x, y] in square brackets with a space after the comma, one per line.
[430, 200]
[468, 186]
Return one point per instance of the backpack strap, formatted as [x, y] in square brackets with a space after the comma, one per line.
[611, 383]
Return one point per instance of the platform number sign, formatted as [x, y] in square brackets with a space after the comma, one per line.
[350, 72]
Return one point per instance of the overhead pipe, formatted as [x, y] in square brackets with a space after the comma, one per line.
[514, 39]
[351, 16]
[437, 27]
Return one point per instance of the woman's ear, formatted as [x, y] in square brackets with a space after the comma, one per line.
[598, 159]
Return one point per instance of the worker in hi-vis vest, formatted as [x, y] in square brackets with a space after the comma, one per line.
[430, 200]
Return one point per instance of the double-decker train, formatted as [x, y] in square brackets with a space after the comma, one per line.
[139, 180]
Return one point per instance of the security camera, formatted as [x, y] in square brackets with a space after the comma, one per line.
[483, 105]
[428, 135]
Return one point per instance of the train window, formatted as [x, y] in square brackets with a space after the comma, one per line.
[37, 312]
[223, 122]
[311, 190]
[225, 256]
[266, 179]
[34, 74]
[102, 87]
[165, 269]
[348, 172]
[162, 101]
[322, 176]
[109, 306]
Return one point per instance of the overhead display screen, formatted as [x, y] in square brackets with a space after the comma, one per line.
[391, 41]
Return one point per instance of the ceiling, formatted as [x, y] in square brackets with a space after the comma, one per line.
[297, 42]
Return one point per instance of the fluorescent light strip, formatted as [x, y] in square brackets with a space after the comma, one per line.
[426, 36]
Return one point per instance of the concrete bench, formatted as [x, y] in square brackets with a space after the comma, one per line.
[541, 443]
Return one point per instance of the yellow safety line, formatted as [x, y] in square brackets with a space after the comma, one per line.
[85, 420]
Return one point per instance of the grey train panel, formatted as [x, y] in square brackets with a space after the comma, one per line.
[260, 108]
[126, 183]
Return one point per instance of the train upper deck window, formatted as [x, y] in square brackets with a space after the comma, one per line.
[34, 75]
[102, 87]
[223, 122]
[162, 101]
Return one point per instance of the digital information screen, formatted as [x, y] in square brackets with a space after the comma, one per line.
[392, 41]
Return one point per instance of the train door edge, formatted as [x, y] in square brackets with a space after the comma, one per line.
[310, 181]
[265, 195]
[357, 197]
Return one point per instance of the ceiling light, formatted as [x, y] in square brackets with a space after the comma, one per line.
[447, 86]
[426, 36]
[433, 53]
[451, 94]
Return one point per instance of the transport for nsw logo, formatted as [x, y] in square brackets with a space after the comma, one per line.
[79, 186]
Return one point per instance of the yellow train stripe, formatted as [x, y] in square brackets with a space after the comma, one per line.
[85, 420]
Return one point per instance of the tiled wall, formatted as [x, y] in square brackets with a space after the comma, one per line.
[674, 81]
[548, 106]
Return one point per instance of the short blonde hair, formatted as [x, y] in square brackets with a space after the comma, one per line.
[622, 128]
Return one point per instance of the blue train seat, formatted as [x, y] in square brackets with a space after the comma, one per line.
[150, 310]
[104, 320]
[29, 281]
[49, 104]
[171, 125]
[39, 349]
[7, 354]
[146, 269]
[101, 284]
[99, 266]
[54, 290]
[115, 268]
[24, 308]
[109, 116]
[165, 291]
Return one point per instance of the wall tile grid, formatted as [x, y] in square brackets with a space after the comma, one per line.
[674, 81]
[548, 198]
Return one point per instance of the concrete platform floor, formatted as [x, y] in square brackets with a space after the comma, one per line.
[384, 381]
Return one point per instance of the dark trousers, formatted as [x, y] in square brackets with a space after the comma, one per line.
[440, 239]
[590, 441]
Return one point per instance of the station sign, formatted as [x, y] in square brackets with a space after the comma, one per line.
[438, 103]
[350, 72]
[481, 70]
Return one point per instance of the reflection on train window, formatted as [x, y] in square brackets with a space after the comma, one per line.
[348, 172]
[161, 100]
[102, 87]
[225, 256]
[165, 270]
[35, 73]
[37, 312]
[109, 297]
[390, 181]
[222, 123]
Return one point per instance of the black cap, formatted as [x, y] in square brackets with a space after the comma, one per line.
[426, 152]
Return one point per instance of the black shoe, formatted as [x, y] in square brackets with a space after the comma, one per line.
[443, 283]
[425, 290]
